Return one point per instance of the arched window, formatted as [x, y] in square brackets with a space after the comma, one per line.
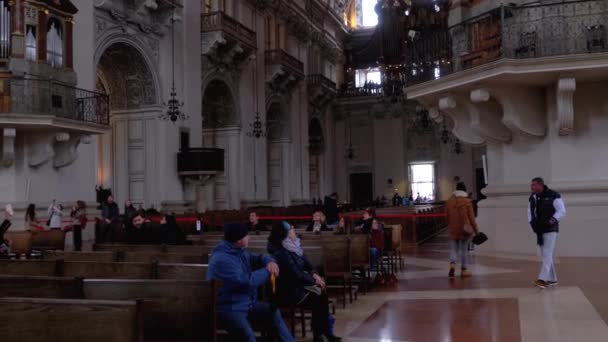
[30, 43]
[54, 43]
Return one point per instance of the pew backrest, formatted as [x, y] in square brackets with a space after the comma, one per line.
[70, 320]
[38, 286]
[80, 256]
[171, 308]
[48, 240]
[21, 241]
[28, 267]
[181, 271]
[162, 257]
[359, 249]
[117, 270]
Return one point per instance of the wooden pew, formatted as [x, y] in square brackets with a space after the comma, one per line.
[48, 240]
[79, 256]
[132, 248]
[28, 267]
[162, 257]
[115, 270]
[70, 320]
[171, 309]
[181, 271]
[43, 287]
[21, 242]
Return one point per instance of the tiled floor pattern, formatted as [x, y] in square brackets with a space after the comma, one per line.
[497, 304]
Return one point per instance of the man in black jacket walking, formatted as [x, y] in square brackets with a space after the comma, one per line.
[545, 209]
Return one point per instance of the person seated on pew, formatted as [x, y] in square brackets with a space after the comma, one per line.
[364, 225]
[254, 224]
[318, 224]
[299, 283]
[145, 231]
[241, 274]
[5, 243]
[376, 246]
[342, 228]
[172, 234]
[31, 223]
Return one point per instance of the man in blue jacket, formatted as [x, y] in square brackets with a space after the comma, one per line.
[241, 274]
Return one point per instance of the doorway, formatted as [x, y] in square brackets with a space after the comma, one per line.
[361, 190]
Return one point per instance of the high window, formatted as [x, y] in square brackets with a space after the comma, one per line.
[30, 43]
[367, 16]
[422, 181]
[54, 44]
[363, 76]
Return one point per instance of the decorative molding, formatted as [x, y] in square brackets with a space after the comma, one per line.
[435, 114]
[486, 116]
[523, 109]
[566, 86]
[8, 146]
[66, 151]
[456, 107]
[40, 149]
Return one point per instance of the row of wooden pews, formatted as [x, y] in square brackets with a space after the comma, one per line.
[150, 292]
[153, 300]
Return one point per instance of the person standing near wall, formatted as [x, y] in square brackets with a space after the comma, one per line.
[461, 227]
[545, 210]
[79, 221]
[55, 213]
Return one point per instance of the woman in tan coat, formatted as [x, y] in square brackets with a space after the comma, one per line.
[461, 227]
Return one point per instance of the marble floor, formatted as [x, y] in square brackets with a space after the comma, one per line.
[499, 303]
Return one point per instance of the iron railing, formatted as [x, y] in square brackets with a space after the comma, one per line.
[516, 32]
[321, 81]
[280, 57]
[48, 97]
[220, 21]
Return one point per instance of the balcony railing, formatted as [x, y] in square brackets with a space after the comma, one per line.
[200, 161]
[532, 31]
[48, 97]
[220, 21]
[322, 82]
[280, 57]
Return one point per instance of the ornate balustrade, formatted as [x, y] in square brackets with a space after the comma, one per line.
[516, 32]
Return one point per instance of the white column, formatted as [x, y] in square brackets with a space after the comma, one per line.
[234, 158]
[286, 179]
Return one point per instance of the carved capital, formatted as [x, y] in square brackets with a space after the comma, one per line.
[66, 151]
[435, 114]
[486, 116]
[566, 86]
[456, 108]
[523, 109]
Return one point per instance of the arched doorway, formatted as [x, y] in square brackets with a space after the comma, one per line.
[221, 130]
[278, 155]
[128, 154]
[316, 146]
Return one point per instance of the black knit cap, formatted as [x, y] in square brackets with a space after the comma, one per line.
[233, 232]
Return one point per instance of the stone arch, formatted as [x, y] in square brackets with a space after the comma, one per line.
[219, 107]
[140, 85]
[127, 77]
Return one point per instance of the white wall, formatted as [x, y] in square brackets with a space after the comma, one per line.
[574, 165]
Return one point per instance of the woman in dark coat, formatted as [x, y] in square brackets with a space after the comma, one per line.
[298, 283]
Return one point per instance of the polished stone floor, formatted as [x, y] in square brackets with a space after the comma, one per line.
[499, 303]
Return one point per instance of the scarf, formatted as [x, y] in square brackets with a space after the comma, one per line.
[293, 246]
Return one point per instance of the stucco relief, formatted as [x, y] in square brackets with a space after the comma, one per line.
[129, 81]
